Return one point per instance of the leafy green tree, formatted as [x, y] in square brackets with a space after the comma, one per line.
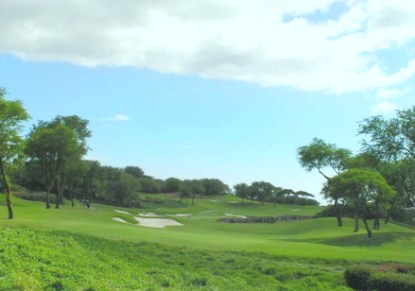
[263, 190]
[185, 189]
[390, 139]
[172, 185]
[150, 185]
[196, 188]
[134, 171]
[392, 142]
[12, 114]
[124, 190]
[319, 155]
[214, 187]
[242, 191]
[364, 189]
[56, 146]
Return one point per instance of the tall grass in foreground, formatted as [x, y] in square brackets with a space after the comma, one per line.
[43, 260]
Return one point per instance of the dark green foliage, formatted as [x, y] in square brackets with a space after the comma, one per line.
[386, 277]
[36, 196]
[356, 277]
[263, 219]
[172, 185]
[387, 281]
[134, 171]
[214, 187]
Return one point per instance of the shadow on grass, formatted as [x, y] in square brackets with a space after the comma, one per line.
[361, 239]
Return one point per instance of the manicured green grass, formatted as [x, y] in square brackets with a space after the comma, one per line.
[316, 238]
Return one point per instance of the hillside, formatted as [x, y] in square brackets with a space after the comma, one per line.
[315, 238]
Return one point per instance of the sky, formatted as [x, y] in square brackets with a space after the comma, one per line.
[224, 89]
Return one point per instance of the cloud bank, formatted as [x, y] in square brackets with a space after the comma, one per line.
[316, 45]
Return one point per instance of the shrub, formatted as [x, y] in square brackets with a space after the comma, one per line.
[357, 276]
[388, 281]
[37, 196]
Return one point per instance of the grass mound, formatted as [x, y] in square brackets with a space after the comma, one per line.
[42, 260]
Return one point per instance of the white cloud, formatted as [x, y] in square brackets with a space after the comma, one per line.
[390, 93]
[119, 117]
[384, 107]
[228, 39]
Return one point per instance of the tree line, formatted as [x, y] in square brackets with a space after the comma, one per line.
[377, 182]
[266, 192]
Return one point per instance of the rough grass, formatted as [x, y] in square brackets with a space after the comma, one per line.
[39, 260]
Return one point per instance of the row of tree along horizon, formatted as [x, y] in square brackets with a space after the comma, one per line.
[50, 159]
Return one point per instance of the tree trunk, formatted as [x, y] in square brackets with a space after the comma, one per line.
[7, 188]
[376, 223]
[369, 232]
[60, 186]
[48, 194]
[388, 215]
[242, 200]
[356, 221]
[193, 199]
[338, 213]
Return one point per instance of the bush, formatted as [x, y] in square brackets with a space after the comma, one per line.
[387, 277]
[388, 281]
[37, 196]
[356, 277]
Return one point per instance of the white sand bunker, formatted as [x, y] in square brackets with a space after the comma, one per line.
[183, 214]
[149, 214]
[156, 222]
[119, 219]
[235, 215]
[121, 211]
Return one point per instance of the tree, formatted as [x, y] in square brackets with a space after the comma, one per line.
[214, 187]
[185, 189]
[319, 155]
[12, 114]
[56, 146]
[134, 171]
[172, 185]
[263, 190]
[392, 142]
[363, 188]
[242, 191]
[390, 139]
[196, 188]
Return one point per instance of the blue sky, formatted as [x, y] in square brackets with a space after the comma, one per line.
[227, 90]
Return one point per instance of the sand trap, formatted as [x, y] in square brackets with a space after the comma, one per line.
[183, 214]
[149, 214]
[235, 215]
[122, 211]
[119, 219]
[156, 222]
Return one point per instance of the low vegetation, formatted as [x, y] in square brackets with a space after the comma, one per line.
[66, 261]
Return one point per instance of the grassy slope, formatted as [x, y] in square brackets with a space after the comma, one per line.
[37, 260]
[317, 238]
